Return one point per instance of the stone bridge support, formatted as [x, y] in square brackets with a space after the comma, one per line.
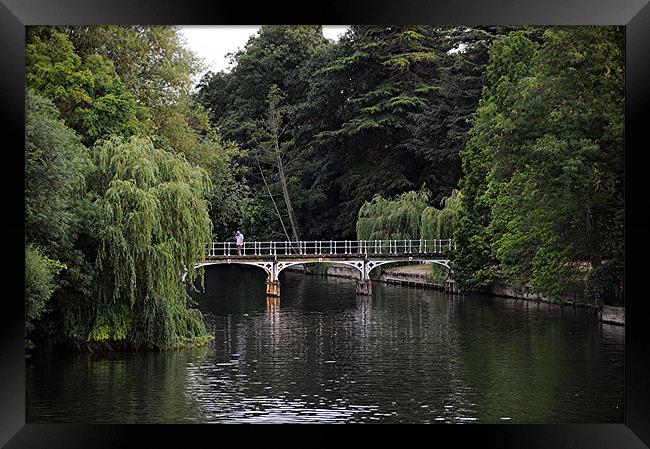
[273, 288]
[273, 269]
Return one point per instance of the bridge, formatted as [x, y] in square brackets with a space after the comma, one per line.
[363, 255]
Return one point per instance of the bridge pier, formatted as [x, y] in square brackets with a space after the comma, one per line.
[273, 288]
[451, 286]
[364, 287]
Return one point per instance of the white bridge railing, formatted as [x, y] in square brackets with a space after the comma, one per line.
[332, 247]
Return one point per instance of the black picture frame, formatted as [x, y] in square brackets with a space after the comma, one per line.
[634, 432]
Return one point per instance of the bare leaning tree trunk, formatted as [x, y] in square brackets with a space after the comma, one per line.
[277, 211]
[285, 192]
[274, 121]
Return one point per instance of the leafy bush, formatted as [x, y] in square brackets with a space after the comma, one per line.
[40, 282]
[605, 284]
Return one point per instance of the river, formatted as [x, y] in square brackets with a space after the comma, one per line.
[322, 354]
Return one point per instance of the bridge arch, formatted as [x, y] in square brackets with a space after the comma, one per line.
[273, 269]
[266, 266]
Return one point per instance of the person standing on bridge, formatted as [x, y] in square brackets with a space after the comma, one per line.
[239, 240]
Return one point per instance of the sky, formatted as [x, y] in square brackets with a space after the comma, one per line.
[213, 42]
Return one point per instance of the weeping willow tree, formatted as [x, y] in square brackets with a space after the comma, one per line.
[153, 224]
[398, 218]
[439, 223]
[408, 216]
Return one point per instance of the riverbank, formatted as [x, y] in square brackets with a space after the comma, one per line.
[421, 276]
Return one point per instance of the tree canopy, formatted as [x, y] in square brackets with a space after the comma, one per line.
[543, 170]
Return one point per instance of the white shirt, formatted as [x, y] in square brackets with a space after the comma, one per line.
[239, 238]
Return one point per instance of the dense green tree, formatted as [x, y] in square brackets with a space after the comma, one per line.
[89, 94]
[55, 165]
[440, 131]
[40, 282]
[382, 75]
[153, 63]
[543, 171]
[151, 60]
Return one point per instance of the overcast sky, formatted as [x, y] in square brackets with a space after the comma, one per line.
[213, 42]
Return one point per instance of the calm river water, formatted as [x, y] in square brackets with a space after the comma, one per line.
[322, 354]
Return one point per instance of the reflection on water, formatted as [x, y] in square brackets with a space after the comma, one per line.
[322, 354]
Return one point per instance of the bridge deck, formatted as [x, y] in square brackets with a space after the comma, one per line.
[325, 257]
[365, 249]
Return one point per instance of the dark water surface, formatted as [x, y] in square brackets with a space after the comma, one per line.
[322, 354]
